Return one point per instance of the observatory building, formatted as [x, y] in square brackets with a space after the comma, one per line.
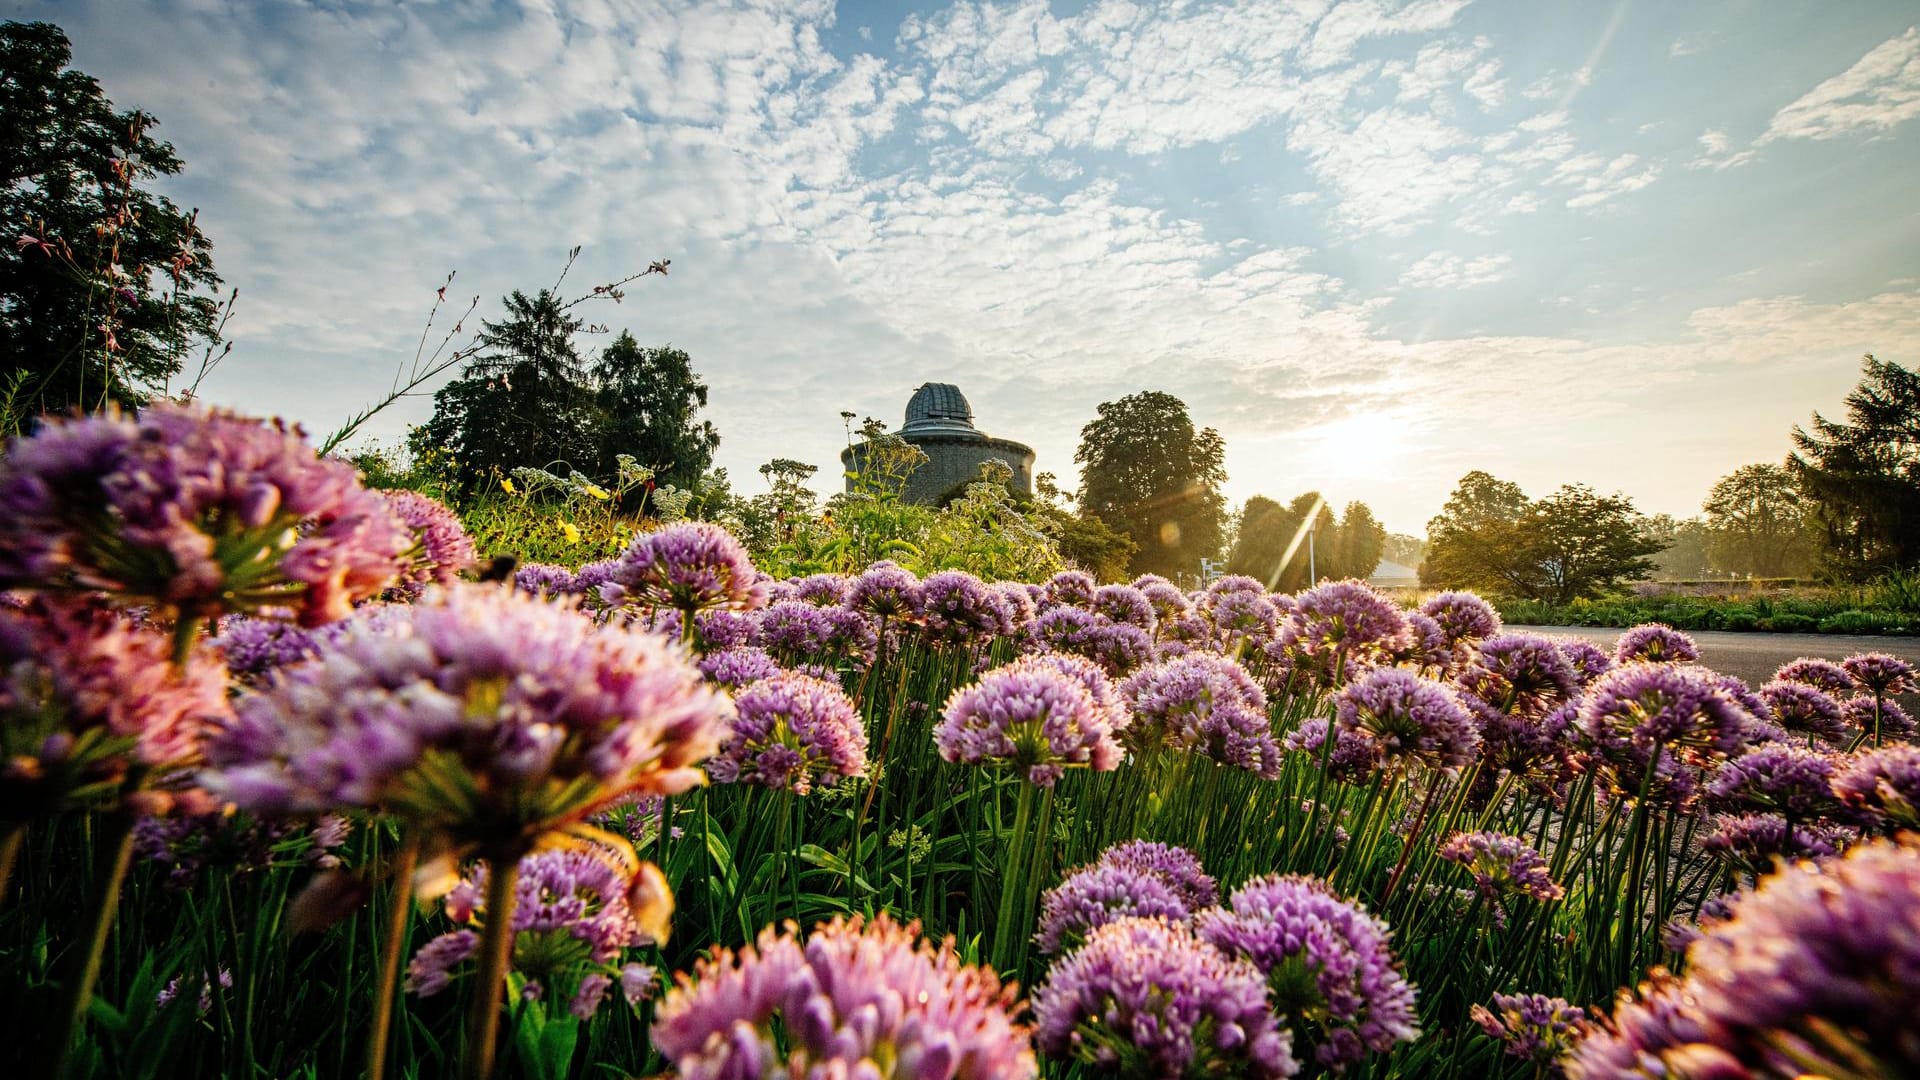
[940, 424]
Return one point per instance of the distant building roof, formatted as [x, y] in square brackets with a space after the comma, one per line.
[938, 407]
[1393, 573]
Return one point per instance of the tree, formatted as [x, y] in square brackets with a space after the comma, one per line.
[522, 400]
[1757, 523]
[1684, 555]
[1408, 551]
[1358, 543]
[1863, 476]
[103, 284]
[1084, 540]
[1260, 540]
[647, 399]
[1474, 537]
[1572, 543]
[1585, 544]
[1148, 472]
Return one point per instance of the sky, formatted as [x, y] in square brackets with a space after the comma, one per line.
[1375, 244]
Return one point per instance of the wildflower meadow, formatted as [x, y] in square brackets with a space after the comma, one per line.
[295, 785]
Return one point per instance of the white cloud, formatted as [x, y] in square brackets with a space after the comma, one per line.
[1445, 270]
[1879, 92]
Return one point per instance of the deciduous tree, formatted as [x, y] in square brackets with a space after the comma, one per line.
[1146, 470]
[1863, 475]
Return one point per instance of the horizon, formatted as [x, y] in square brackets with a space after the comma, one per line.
[1376, 246]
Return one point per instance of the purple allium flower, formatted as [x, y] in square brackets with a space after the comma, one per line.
[200, 511]
[788, 731]
[689, 566]
[1030, 716]
[1883, 785]
[255, 647]
[1519, 673]
[1017, 609]
[1536, 1027]
[1240, 615]
[203, 1003]
[1330, 969]
[794, 631]
[724, 628]
[1502, 866]
[1815, 974]
[824, 590]
[735, 668]
[441, 547]
[958, 608]
[1664, 718]
[1754, 841]
[1879, 673]
[1790, 780]
[1410, 717]
[1235, 583]
[1070, 588]
[1524, 744]
[1120, 647]
[1464, 616]
[431, 969]
[1124, 604]
[886, 591]
[1655, 643]
[1426, 645]
[1823, 675]
[1093, 678]
[572, 922]
[478, 710]
[1338, 624]
[187, 843]
[1587, 660]
[1144, 580]
[1800, 708]
[1177, 867]
[1166, 599]
[1353, 757]
[1144, 999]
[1876, 716]
[85, 695]
[545, 579]
[1096, 895]
[1203, 704]
[857, 1000]
[637, 982]
[1681, 932]
[594, 581]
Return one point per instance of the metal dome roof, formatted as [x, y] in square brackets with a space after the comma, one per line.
[938, 407]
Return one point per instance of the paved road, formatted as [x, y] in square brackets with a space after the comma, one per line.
[1754, 657]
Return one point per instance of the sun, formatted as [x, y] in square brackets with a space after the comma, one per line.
[1359, 444]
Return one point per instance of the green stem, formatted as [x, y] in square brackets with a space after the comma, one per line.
[115, 853]
[496, 949]
[389, 976]
[1413, 837]
[1010, 883]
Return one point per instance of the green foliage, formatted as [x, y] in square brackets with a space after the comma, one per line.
[1683, 555]
[108, 284]
[1148, 472]
[1863, 476]
[647, 400]
[1758, 524]
[526, 399]
[1573, 543]
[1786, 611]
[1272, 542]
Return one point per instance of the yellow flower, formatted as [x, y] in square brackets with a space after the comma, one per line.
[506, 485]
[596, 491]
[573, 534]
